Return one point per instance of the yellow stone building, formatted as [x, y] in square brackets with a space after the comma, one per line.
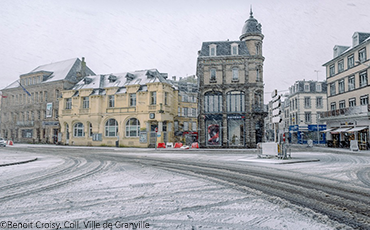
[133, 109]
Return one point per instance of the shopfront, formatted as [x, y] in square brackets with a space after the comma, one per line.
[235, 130]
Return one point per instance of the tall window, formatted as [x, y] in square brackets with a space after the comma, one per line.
[111, 128]
[85, 102]
[68, 103]
[333, 106]
[341, 86]
[78, 130]
[340, 66]
[46, 95]
[342, 104]
[352, 102]
[351, 61]
[235, 101]
[132, 99]
[111, 101]
[213, 74]
[307, 87]
[363, 79]
[332, 89]
[319, 102]
[213, 102]
[307, 117]
[364, 100]
[132, 128]
[307, 102]
[234, 49]
[90, 130]
[185, 112]
[351, 83]
[212, 50]
[258, 75]
[331, 70]
[153, 98]
[57, 93]
[318, 87]
[362, 55]
[166, 98]
[235, 74]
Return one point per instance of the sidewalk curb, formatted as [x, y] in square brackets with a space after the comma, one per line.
[17, 163]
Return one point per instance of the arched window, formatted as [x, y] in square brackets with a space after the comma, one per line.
[235, 101]
[132, 128]
[78, 130]
[111, 128]
[212, 102]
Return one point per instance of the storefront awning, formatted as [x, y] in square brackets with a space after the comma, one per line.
[327, 130]
[355, 129]
[340, 130]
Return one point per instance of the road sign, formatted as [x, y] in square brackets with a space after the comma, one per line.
[156, 130]
[276, 104]
[274, 93]
[276, 119]
[276, 112]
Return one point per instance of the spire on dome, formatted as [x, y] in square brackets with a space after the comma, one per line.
[251, 13]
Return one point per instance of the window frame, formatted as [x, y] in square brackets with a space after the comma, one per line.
[68, 103]
[108, 127]
[111, 101]
[213, 102]
[350, 61]
[342, 104]
[341, 86]
[340, 66]
[78, 130]
[235, 101]
[351, 85]
[363, 79]
[132, 99]
[362, 54]
[352, 102]
[153, 98]
[86, 102]
[364, 100]
[132, 130]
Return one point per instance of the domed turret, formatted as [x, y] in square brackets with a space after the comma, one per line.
[251, 27]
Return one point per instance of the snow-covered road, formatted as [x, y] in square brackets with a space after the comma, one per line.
[67, 187]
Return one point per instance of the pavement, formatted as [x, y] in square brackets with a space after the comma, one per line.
[9, 159]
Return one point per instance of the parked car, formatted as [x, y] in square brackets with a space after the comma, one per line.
[2, 142]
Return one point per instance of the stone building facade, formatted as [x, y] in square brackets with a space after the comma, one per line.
[30, 111]
[136, 109]
[348, 115]
[306, 100]
[231, 90]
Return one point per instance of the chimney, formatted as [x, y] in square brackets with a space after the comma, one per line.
[83, 67]
[174, 78]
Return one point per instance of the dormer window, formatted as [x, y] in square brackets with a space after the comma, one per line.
[234, 49]
[318, 87]
[212, 50]
[112, 78]
[307, 87]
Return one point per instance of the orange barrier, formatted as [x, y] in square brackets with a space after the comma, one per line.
[195, 145]
[161, 145]
[10, 142]
[178, 145]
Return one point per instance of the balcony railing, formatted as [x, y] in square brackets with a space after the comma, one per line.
[363, 109]
[121, 110]
[25, 123]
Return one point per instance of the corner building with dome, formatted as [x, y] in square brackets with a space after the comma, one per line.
[231, 90]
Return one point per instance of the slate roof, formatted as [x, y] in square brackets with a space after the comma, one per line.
[223, 48]
[62, 70]
[121, 80]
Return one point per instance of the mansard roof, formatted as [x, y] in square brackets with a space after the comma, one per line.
[223, 48]
[121, 80]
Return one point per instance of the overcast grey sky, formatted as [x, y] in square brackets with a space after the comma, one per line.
[127, 35]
